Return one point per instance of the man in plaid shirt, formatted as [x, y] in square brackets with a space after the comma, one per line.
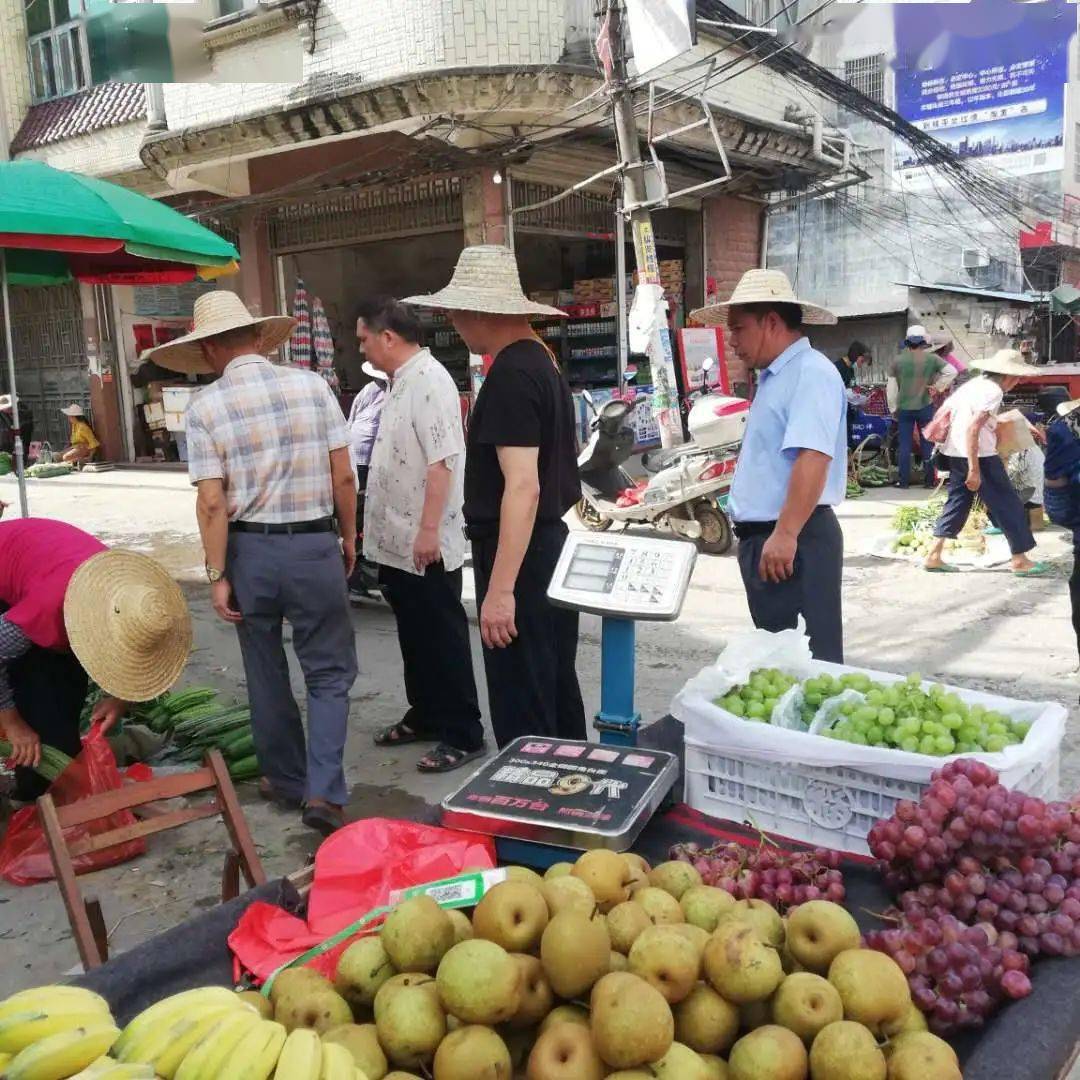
[268, 450]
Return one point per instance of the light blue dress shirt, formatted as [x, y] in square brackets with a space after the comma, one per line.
[799, 405]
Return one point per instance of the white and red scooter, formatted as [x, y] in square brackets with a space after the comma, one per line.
[687, 493]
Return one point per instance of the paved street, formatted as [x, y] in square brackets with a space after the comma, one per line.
[979, 629]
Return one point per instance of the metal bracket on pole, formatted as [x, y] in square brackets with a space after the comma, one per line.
[707, 121]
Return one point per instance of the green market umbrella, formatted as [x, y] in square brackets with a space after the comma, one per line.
[58, 226]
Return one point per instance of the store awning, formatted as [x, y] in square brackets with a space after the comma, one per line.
[868, 309]
[1065, 300]
[971, 290]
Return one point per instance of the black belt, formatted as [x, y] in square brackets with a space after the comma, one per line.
[489, 530]
[284, 527]
[744, 529]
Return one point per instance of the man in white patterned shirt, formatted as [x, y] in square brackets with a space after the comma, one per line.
[413, 530]
[268, 450]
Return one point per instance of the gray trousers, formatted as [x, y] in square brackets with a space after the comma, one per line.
[300, 578]
[813, 591]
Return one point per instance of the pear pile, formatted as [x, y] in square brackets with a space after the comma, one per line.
[604, 968]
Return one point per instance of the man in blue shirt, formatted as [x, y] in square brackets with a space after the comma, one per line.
[793, 464]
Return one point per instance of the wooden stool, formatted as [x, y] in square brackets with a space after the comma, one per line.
[87, 923]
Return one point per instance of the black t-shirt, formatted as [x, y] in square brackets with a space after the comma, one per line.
[847, 371]
[525, 401]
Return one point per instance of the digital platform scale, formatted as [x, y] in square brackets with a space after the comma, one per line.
[541, 796]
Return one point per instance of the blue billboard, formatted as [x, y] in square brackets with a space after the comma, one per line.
[987, 78]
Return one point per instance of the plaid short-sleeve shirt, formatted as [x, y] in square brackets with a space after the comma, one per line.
[267, 432]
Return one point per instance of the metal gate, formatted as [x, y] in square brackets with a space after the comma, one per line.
[50, 360]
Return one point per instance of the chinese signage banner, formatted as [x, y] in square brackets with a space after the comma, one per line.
[988, 79]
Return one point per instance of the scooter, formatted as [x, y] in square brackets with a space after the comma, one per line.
[688, 493]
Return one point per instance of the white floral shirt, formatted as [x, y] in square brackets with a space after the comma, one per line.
[420, 426]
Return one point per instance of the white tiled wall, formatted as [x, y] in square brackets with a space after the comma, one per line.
[106, 153]
[14, 73]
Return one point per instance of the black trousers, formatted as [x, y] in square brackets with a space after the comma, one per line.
[50, 689]
[1074, 588]
[999, 497]
[361, 579]
[532, 683]
[433, 632]
[813, 591]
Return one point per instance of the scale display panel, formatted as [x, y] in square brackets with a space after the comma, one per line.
[624, 577]
[564, 792]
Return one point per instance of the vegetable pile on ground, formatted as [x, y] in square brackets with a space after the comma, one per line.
[914, 526]
[854, 708]
[987, 880]
[602, 968]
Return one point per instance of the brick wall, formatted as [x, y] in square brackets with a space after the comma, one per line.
[732, 241]
[14, 72]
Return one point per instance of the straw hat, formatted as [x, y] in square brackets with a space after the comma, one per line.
[763, 287]
[372, 372]
[128, 624]
[5, 403]
[1067, 407]
[1005, 362]
[216, 313]
[485, 280]
[72, 410]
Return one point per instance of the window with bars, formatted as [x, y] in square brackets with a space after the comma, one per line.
[867, 75]
[59, 64]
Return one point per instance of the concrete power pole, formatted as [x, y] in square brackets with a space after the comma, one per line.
[665, 393]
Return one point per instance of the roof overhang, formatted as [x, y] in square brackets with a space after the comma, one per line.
[988, 294]
[451, 105]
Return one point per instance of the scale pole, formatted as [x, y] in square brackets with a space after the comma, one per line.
[617, 721]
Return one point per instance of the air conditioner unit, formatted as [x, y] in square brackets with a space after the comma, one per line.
[974, 259]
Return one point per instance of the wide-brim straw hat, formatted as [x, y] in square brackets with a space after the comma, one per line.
[372, 372]
[217, 313]
[485, 280]
[1005, 362]
[764, 287]
[72, 410]
[5, 403]
[128, 624]
[1068, 407]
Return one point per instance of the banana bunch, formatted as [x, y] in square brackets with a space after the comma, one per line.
[53, 1032]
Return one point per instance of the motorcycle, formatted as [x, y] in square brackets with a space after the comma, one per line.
[687, 493]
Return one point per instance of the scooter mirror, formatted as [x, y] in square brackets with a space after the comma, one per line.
[588, 398]
[629, 376]
[708, 364]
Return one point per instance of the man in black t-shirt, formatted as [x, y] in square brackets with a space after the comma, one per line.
[520, 479]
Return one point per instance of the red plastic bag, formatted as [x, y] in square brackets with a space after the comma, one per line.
[356, 870]
[24, 854]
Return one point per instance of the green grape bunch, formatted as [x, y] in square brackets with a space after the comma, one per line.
[759, 696]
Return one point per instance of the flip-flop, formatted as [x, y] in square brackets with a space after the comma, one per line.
[1040, 569]
[944, 568]
[447, 758]
[992, 530]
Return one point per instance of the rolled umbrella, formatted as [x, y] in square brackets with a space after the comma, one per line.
[301, 342]
[59, 226]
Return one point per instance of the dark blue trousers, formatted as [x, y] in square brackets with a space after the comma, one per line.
[907, 419]
[999, 496]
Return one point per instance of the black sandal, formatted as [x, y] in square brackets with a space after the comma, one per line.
[447, 758]
[399, 734]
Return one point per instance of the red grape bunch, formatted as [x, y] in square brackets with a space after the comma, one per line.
[958, 974]
[783, 879]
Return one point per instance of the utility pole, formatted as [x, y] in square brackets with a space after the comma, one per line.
[665, 394]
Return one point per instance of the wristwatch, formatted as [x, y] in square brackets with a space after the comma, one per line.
[214, 576]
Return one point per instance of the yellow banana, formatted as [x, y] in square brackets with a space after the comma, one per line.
[301, 1056]
[111, 1068]
[184, 1036]
[204, 1060]
[167, 1011]
[4, 1059]
[21, 1030]
[48, 999]
[62, 1055]
[257, 1053]
[337, 1063]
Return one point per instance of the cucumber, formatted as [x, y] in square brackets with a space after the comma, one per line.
[245, 769]
[240, 749]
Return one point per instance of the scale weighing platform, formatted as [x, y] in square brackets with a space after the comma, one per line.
[541, 796]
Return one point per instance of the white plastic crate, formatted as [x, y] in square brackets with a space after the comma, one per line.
[833, 807]
[826, 791]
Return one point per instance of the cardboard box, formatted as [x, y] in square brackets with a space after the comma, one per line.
[1013, 433]
[154, 412]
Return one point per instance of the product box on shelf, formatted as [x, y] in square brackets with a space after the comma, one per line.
[820, 790]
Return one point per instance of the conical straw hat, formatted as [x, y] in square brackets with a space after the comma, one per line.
[1006, 362]
[216, 313]
[763, 287]
[128, 624]
[486, 280]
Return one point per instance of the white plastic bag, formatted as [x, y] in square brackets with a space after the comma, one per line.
[788, 711]
[830, 708]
